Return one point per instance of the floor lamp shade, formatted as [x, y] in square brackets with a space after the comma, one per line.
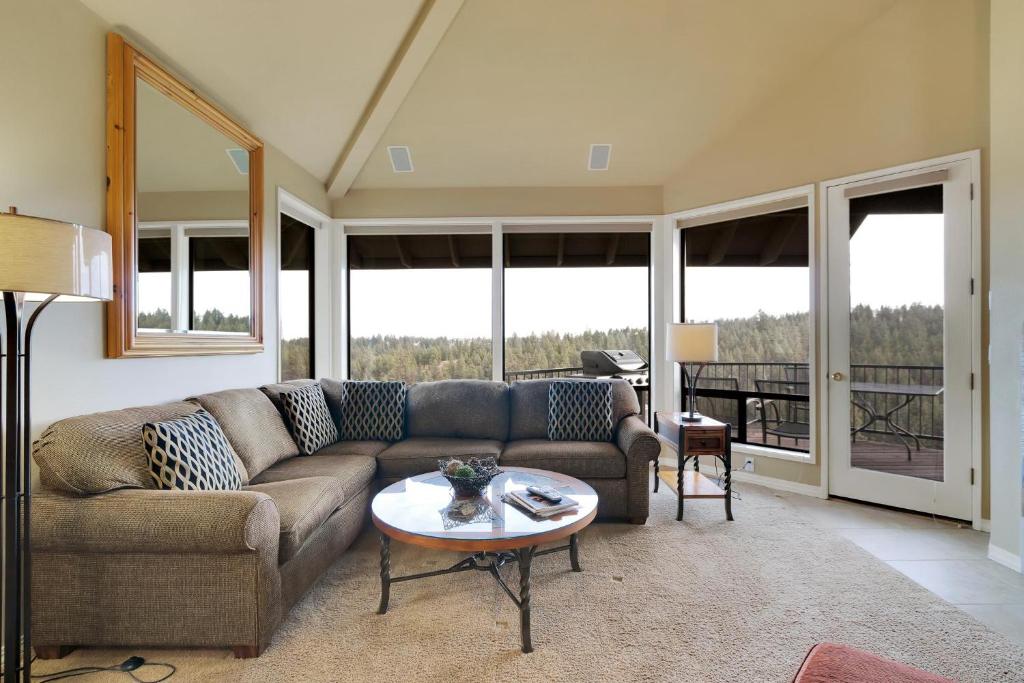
[692, 343]
[41, 256]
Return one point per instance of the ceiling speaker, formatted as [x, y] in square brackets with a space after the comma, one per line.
[401, 159]
[600, 156]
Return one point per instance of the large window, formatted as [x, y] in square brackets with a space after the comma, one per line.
[296, 299]
[751, 276]
[419, 307]
[567, 293]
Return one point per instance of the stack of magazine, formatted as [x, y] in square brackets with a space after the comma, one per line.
[537, 505]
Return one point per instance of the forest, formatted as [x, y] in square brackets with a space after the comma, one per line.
[907, 335]
[210, 321]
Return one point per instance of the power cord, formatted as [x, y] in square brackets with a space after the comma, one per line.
[128, 666]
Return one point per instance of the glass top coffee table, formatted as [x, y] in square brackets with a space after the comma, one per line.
[424, 511]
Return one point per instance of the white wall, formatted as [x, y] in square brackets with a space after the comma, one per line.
[52, 164]
[1006, 230]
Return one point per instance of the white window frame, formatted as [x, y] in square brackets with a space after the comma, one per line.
[325, 280]
[672, 265]
[496, 227]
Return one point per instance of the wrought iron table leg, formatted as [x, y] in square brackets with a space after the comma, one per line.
[679, 489]
[574, 553]
[385, 573]
[899, 431]
[525, 557]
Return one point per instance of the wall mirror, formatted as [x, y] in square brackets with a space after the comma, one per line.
[184, 204]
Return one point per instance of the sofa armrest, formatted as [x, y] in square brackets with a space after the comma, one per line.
[637, 440]
[151, 521]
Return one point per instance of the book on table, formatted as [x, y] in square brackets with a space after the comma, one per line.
[538, 505]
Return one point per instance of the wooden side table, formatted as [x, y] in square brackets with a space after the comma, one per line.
[692, 440]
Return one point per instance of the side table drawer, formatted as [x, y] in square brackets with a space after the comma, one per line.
[704, 442]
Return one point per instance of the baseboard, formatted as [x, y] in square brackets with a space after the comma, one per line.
[779, 484]
[983, 525]
[1004, 557]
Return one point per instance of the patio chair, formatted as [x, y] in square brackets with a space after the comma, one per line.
[788, 421]
[705, 405]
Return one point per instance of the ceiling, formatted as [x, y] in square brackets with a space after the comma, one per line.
[500, 94]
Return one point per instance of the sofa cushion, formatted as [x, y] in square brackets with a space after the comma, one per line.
[582, 459]
[467, 408]
[303, 505]
[101, 452]
[190, 453]
[311, 421]
[528, 406]
[253, 426]
[580, 411]
[420, 454]
[352, 472]
[371, 411]
[274, 391]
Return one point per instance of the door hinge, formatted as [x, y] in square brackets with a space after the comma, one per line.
[972, 191]
[972, 381]
[972, 286]
[972, 476]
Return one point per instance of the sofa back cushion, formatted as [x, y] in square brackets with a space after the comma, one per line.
[528, 406]
[252, 424]
[461, 408]
[103, 451]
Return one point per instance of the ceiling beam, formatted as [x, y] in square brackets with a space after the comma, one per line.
[412, 55]
[403, 254]
[720, 247]
[453, 251]
[612, 250]
[772, 248]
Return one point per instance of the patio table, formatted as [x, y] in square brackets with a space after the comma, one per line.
[909, 392]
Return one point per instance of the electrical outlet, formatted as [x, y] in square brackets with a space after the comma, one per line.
[748, 465]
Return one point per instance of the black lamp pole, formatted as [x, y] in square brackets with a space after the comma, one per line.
[16, 434]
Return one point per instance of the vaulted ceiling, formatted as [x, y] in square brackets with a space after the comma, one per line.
[489, 93]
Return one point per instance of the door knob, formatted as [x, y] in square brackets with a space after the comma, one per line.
[837, 376]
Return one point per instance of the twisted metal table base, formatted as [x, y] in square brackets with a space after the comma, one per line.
[489, 562]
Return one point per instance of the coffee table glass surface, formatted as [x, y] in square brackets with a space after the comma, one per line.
[424, 511]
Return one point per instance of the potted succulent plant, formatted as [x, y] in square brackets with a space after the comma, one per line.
[469, 477]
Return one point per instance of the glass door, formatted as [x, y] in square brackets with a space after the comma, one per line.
[900, 340]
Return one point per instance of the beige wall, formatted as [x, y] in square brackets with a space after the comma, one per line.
[508, 201]
[1006, 227]
[910, 85]
[192, 206]
[52, 164]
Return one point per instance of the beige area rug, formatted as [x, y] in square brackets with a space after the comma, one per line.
[701, 600]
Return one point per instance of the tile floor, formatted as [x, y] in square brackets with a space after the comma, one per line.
[948, 559]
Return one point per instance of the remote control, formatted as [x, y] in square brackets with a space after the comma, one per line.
[546, 492]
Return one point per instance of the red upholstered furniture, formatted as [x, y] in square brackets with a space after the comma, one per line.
[831, 663]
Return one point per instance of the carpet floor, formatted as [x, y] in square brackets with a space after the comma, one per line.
[702, 600]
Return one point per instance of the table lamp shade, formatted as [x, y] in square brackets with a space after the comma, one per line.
[692, 342]
[40, 256]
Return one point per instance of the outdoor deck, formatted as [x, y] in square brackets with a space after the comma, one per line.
[874, 455]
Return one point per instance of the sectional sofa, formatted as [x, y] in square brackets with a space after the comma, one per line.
[119, 563]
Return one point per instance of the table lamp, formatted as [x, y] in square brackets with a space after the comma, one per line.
[40, 260]
[692, 344]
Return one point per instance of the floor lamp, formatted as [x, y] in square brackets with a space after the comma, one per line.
[40, 260]
[692, 344]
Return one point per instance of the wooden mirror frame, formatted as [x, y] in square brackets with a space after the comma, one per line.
[125, 63]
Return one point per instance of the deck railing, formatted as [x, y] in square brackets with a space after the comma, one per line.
[730, 392]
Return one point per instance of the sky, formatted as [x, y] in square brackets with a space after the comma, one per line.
[894, 260]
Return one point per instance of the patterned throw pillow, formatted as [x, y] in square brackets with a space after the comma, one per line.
[190, 453]
[373, 411]
[580, 411]
[310, 419]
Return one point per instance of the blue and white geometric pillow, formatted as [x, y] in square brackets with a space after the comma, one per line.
[373, 411]
[190, 453]
[580, 411]
[311, 422]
